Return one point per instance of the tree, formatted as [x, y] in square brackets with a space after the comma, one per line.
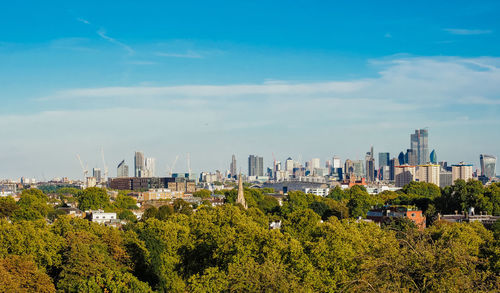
[7, 206]
[202, 193]
[127, 215]
[20, 274]
[337, 193]
[360, 201]
[92, 198]
[125, 202]
[182, 206]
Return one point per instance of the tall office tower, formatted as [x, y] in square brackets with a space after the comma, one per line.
[461, 171]
[370, 170]
[315, 163]
[96, 172]
[232, 167]
[150, 166]
[419, 145]
[429, 174]
[433, 158]
[383, 159]
[349, 167]
[404, 175]
[401, 159]
[370, 165]
[255, 166]
[411, 157]
[139, 164]
[122, 169]
[359, 170]
[289, 165]
[336, 162]
[488, 165]
[392, 165]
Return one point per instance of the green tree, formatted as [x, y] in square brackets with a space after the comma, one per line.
[20, 274]
[92, 198]
[7, 206]
[202, 193]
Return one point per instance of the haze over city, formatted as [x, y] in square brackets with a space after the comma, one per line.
[301, 79]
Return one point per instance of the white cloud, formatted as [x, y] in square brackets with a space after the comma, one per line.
[82, 20]
[102, 33]
[456, 97]
[459, 31]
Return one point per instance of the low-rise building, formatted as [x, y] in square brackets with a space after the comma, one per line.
[103, 218]
[317, 191]
[380, 215]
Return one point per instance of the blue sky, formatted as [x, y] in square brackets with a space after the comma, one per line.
[212, 78]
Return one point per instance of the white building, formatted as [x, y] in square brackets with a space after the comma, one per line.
[317, 191]
[103, 218]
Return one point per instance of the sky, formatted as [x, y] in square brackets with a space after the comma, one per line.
[301, 79]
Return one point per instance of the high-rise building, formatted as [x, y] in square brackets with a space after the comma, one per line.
[255, 166]
[383, 159]
[359, 170]
[419, 145]
[315, 163]
[150, 167]
[232, 167]
[337, 163]
[96, 172]
[370, 165]
[404, 174]
[122, 169]
[429, 174]
[401, 159]
[392, 164]
[433, 158]
[411, 157]
[488, 165]
[139, 164]
[289, 165]
[461, 171]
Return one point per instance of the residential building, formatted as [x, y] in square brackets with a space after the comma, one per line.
[461, 171]
[387, 213]
[149, 167]
[96, 172]
[103, 218]
[139, 164]
[317, 191]
[445, 178]
[429, 174]
[232, 167]
[255, 166]
[404, 174]
[122, 169]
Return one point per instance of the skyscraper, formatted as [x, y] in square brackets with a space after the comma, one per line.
[401, 159]
[383, 160]
[255, 166]
[122, 169]
[433, 157]
[419, 146]
[96, 172]
[370, 165]
[139, 164]
[488, 165]
[232, 167]
[150, 167]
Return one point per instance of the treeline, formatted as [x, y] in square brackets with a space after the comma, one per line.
[321, 246]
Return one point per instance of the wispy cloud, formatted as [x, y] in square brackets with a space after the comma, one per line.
[102, 33]
[188, 54]
[388, 35]
[459, 31]
[82, 20]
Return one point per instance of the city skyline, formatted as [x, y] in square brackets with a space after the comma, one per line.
[332, 79]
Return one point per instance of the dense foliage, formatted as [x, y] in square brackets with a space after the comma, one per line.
[321, 246]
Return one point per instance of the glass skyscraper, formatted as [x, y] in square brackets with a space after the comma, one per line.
[488, 165]
[255, 166]
[419, 144]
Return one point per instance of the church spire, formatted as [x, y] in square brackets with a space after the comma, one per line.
[241, 193]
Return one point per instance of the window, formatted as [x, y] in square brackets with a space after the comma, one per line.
[413, 215]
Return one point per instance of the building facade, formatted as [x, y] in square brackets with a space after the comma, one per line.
[122, 170]
[488, 165]
[255, 166]
[139, 164]
[461, 171]
[420, 146]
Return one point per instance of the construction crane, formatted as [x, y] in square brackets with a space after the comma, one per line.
[105, 166]
[173, 165]
[85, 171]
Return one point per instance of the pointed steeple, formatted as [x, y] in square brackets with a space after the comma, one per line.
[241, 193]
